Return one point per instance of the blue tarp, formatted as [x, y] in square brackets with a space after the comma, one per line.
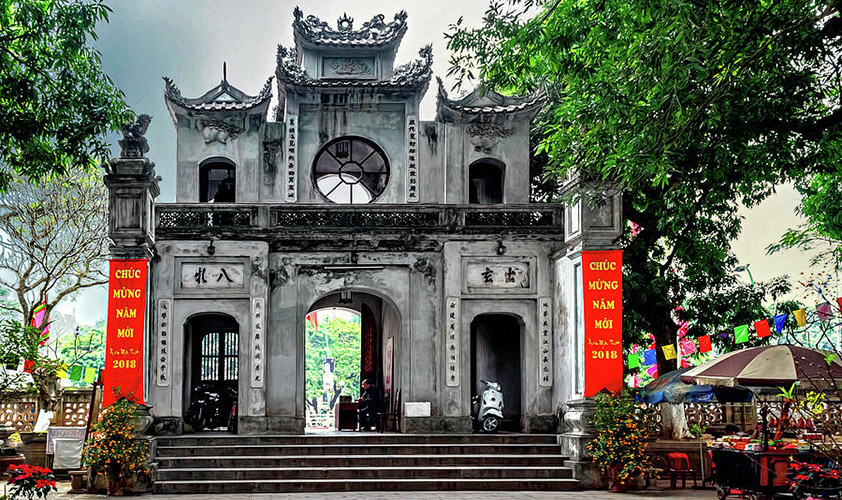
[670, 389]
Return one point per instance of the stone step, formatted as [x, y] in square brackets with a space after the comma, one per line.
[359, 449]
[355, 438]
[333, 485]
[372, 461]
[391, 472]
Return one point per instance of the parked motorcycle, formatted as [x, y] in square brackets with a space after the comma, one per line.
[212, 408]
[487, 407]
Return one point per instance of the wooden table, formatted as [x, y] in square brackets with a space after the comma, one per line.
[346, 416]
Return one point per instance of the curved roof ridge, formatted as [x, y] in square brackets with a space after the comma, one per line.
[222, 97]
[376, 32]
[490, 101]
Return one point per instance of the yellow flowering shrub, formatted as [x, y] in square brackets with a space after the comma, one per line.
[111, 448]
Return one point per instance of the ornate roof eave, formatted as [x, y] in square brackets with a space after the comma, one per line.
[208, 102]
[312, 31]
[411, 76]
[476, 104]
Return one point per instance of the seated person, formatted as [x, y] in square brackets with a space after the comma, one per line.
[369, 405]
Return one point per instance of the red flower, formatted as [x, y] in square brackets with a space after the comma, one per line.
[802, 477]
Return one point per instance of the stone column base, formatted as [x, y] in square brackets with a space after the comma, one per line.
[167, 426]
[588, 474]
[435, 425]
[270, 425]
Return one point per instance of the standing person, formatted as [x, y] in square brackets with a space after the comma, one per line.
[369, 405]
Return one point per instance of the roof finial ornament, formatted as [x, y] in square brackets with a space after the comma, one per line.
[345, 23]
[225, 71]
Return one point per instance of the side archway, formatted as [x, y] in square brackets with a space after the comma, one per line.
[486, 181]
[496, 347]
[211, 361]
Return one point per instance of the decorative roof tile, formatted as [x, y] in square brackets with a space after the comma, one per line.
[223, 97]
[489, 103]
[373, 33]
[411, 75]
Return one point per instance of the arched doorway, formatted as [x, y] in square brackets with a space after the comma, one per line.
[367, 353]
[495, 357]
[486, 181]
[213, 368]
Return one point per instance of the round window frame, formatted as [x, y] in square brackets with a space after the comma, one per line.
[376, 147]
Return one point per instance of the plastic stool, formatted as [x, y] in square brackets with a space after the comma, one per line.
[679, 464]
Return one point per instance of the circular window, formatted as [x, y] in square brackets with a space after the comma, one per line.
[351, 170]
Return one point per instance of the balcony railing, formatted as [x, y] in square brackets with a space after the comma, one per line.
[185, 218]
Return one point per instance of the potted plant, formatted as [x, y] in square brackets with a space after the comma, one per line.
[618, 449]
[28, 481]
[113, 450]
[814, 481]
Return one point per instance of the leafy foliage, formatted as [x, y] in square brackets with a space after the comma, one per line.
[621, 436]
[86, 346]
[56, 104]
[688, 108]
[343, 336]
[111, 449]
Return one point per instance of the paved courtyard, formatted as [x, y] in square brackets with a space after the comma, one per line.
[652, 493]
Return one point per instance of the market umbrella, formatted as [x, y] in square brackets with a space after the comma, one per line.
[671, 389]
[776, 365]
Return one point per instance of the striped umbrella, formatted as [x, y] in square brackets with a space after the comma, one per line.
[776, 365]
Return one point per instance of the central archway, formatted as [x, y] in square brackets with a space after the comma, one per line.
[377, 344]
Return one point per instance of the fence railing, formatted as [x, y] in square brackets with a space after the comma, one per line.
[21, 412]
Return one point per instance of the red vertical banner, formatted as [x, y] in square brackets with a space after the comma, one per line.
[123, 372]
[602, 287]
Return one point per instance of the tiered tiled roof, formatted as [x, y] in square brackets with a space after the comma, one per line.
[412, 75]
[223, 97]
[489, 103]
[374, 33]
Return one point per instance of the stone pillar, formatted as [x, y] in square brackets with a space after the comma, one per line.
[577, 432]
[588, 225]
[132, 187]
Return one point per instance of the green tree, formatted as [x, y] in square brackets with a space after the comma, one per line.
[85, 346]
[690, 108]
[343, 335]
[56, 104]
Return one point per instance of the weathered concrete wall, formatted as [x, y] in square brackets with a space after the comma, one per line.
[245, 151]
[170, 398]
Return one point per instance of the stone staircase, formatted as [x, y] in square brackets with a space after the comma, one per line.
[360, 462]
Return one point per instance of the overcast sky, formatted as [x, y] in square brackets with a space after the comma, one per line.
[188, 41]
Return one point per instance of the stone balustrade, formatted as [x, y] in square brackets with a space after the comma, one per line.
[185, 219]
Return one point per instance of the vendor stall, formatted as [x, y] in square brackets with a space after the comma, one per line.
[761, 465]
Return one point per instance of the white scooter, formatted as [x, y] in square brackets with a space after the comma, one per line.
[487, 408]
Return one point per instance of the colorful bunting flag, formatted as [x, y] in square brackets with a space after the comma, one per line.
[762, 328]
[38, 321]
[650, 357]
[824, 311]
[741, 334]
[688, 347]
[653, 371]
[634, 360]
[62, 372]
[780, 321]
[704, 344]
[90, 375]
[800, 316]
[314, 322]
[76, 373]
[839, 301]
[669, 351]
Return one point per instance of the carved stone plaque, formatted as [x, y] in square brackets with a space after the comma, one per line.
[200, 275]
[258, 341]
[164, 342]
[451, 345]
[348, 68]
[497, 275]
[412, 159]
[545, 327]
[291, 169]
